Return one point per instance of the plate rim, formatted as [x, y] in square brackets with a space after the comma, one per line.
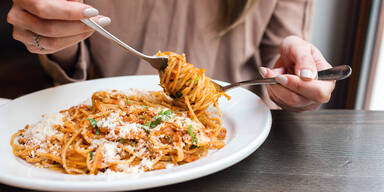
[162, 180]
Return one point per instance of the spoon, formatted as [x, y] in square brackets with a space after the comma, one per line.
[157, 62]
[334, 73]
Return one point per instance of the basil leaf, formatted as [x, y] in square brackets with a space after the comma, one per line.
[194, 138]
[94, 125]
[93, 122]
[179, 94]
[168, 112]
[91, 155]
[133, 143]
[98, 131]
[122, 141]
[155, 123]
[127, 100]
[197, 78]
[148, 124]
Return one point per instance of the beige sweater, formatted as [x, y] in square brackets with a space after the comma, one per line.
[185, 26]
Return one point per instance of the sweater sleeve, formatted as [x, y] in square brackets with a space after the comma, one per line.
[67, 71]
[290, 17]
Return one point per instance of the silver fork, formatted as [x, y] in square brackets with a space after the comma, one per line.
[160, 63]
[335, 73]
[157, 62]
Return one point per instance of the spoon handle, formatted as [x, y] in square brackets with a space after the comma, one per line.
[334, 73]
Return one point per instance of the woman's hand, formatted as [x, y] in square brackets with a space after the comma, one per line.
[296, 71]
[48, 26]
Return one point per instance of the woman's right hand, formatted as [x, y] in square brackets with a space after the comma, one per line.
[56, 22]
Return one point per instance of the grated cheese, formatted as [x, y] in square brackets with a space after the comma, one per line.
[146, 162]
[42, 130]
[110, 150]
[110, 122]
[126, 168]
[129, 129]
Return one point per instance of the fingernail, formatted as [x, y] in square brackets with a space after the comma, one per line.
[90, 12]
[306, 73]
[263, 71]
[104, 21]
[283, 80]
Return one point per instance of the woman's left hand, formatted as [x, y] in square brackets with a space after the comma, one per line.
[296, 71]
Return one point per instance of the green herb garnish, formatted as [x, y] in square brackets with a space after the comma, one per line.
[133, 143]
[189, 80]
[165, 115]
[94, 125]
[122, 141]
[127, 100]
[146, 127]
[155, 123]
[194, 138]
[167, 112]
[162, 72]
[148, 124]
[91, 155]
[93, 122]
[146, 107]
[141, 117]
[197, 78]
[179, 94]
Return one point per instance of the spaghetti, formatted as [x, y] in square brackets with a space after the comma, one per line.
[130, 131]
[188, 85]
[120, 131]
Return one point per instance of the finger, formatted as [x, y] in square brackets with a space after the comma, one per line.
[52, 28]
[50, 44]
[286, 97]
[21, 35]
[59, 9]
[298, 51]
[320, 61]
[318, 91]
[268, 73]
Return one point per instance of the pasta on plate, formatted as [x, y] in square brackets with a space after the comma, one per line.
[129, 131]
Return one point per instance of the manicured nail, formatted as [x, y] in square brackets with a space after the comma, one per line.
[283, 80]
[263, 71]
[104, 21]
[306, 73]
[90, 12]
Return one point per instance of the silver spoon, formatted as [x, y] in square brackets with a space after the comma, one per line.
[334, 73]
[156, 61]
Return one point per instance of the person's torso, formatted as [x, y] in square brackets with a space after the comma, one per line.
[187, 26]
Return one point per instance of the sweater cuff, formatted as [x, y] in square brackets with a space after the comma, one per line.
[57, 72]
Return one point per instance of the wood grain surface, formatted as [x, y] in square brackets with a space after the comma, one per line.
[328, 150]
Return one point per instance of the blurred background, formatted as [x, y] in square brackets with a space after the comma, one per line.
[348, 32]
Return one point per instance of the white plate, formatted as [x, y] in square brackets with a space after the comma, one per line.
[4, 101]
[246, 117]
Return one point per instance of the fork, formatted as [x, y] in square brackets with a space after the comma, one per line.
[160, 63]
[157, 62]
[335, 73]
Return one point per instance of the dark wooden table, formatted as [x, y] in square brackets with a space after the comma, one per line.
[330, 150]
